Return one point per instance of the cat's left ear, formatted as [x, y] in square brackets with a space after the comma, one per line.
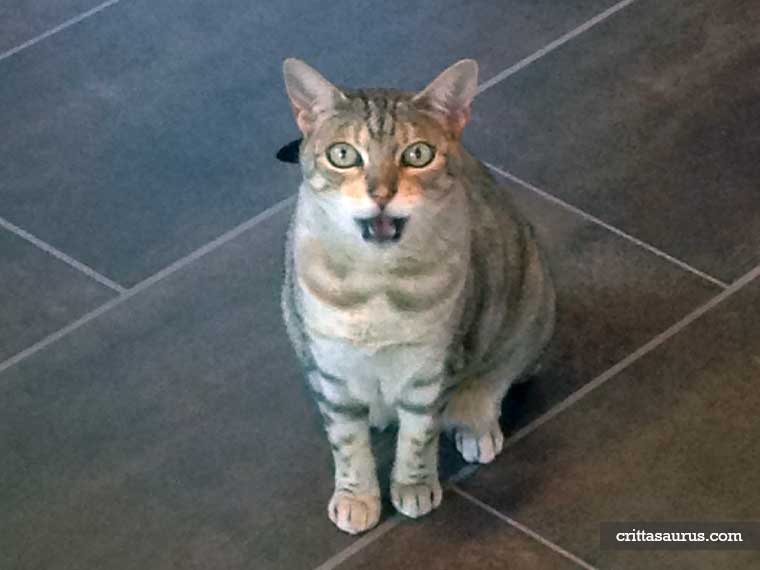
[309, 92]
[452, 92]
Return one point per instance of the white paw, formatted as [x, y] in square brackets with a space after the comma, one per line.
[354, 513]
[480, 449]
[416, 499]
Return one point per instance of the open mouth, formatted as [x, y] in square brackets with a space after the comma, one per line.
[381, 228]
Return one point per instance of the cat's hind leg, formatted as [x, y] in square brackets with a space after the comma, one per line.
[473, 411]
[472, 415]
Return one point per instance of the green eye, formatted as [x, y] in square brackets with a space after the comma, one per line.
[343, 155]
[418, 155]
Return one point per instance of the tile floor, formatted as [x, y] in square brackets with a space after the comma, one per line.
[151, 413]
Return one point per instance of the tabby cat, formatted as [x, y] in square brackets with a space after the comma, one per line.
[414, 292]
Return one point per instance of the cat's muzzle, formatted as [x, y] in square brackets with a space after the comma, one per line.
[382, 228]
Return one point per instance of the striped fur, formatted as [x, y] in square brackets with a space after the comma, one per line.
[429, 331]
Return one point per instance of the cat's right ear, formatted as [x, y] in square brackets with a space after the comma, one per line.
[310, 93]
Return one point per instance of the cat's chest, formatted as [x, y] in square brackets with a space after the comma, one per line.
[378, 301]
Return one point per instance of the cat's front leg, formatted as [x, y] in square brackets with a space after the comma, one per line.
[415, 489]
[355, 504]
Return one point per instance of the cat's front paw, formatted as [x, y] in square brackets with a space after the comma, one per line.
[354, 513]
[479, 448]
[416, 499]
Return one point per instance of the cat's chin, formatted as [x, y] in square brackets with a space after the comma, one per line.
[382, 229]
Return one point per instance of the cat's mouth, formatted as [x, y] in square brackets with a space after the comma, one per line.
[382, 228]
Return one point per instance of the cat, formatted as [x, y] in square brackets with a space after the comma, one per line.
[413, 292]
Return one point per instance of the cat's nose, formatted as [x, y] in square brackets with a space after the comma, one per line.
[381, 202]
[381, 194]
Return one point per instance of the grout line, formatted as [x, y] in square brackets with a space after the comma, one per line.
[605, 225]
[463, 473]
[377, 532]
[214, 244]
[60, 333]
[142, 285]
[58, 254]
[60, 27]
[560, 41]
[633, 357]
[524, 529]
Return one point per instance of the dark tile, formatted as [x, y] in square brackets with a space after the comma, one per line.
[152, 127]
[172, 431]
[650, 121]
[21, 21]
[457, 535]
[39, 294]
[673, 438]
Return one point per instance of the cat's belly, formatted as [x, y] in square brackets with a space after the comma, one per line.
[378, 376]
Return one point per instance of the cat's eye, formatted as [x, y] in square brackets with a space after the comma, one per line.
[343, 155]
[418, 155]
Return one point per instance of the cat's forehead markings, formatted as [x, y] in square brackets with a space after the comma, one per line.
[376, 116]
[390, 129]
[377, 109]
[362, 135]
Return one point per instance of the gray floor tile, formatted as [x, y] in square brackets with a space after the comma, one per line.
[651, 121]
[148, 130]
[673, 438]
[457, 535]
[39, 294]
[21, 21]
[173, 431]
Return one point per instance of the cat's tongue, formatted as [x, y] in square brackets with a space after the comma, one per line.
[382, 227]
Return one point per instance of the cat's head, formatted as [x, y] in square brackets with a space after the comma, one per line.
[374, 158]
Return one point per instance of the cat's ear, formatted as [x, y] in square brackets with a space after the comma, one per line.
[452, 92]
[310, 93]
